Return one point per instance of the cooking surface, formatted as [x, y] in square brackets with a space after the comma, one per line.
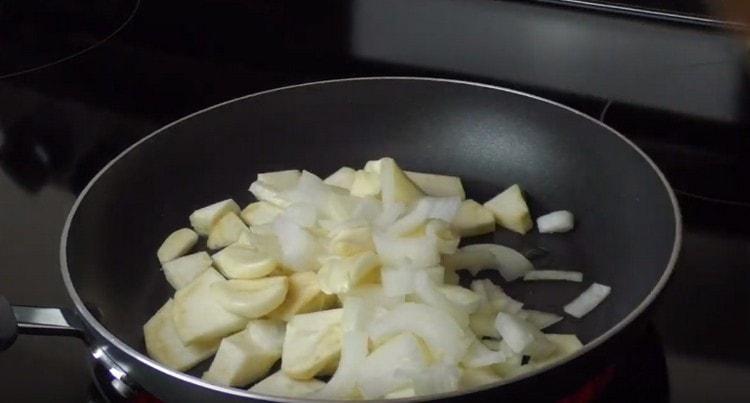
[59, 124]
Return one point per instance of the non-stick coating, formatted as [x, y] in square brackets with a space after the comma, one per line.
[626, 222]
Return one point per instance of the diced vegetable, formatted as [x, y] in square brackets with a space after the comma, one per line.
[181, 271]
[260, 213]
[401, 352]
[177, 244]
[541, 320]
[339, 275]
[437, 185]
[163, 344]
[239, 261]
[202, 220]
[522, 337]
[268, 193]
[343, 383]
[343, 178]
[554, 275]
[351, 241]
[303, 295]
[380, 243]
[446, 340]
[198, 317]
[473, 377]
[242, 358]
[466, 300]
[508, 262]
[558, 221]
[365, 184]
[280, 384]
[479, 355]
[251, 298]
[395, 185]
[510, 210]
[300, 249]
[587, 301]
[473, 219]
[312, 341]
[226, 231]
[566, 344]
[282, 180]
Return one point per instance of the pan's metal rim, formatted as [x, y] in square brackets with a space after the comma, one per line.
[91, 320]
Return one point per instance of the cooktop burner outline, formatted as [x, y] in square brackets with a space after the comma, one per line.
[76, 53]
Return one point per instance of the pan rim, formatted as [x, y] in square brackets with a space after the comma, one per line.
[596, 342]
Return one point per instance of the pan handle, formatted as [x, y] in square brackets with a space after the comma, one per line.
[18, 319]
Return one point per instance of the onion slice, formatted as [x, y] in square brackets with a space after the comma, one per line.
[539, 319]
[508, 262]
[557, 221]
[554, 275]
[587, 301]
[353, 353]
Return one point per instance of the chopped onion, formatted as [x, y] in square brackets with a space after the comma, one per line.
[420, 252]
[479, 355]
[587, 301]
[443, 336]
[397, 280]
[495, 296]
[302, 214]
[558, 275]
[539, 319]
[508, 262]
[390, 213]
[378, 376]
[343, 382]
[299, 248]
[441, 208]
[438, 378]
[558, 221]
[428, 293]
[522, 337]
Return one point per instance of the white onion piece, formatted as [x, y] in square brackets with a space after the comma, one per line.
[554, 275]
[343, 382]
[421, 252]
[443, 336]
[495, 296]
[390, 213]
[378, 376]
[299, 249]
[356, 315]
[438, 378]
[587, 301]
[429, 294]
[367, 209]
[479, 355]
[440, 208]
[522, 337]
[508, 262]
[302, 214]
[397, 280]
[558, 221]
[539, 319]
[473, 261]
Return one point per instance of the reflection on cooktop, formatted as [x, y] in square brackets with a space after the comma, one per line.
[39, 33]
[691, 7]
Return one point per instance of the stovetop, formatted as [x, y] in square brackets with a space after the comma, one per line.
[80, 81]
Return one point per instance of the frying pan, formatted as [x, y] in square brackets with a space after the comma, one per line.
[627, 236]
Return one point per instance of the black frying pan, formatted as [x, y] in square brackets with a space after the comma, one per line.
[628, 223]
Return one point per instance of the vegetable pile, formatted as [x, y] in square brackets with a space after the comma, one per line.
[351, 283]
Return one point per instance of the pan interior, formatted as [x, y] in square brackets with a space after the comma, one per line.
[625, 220]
